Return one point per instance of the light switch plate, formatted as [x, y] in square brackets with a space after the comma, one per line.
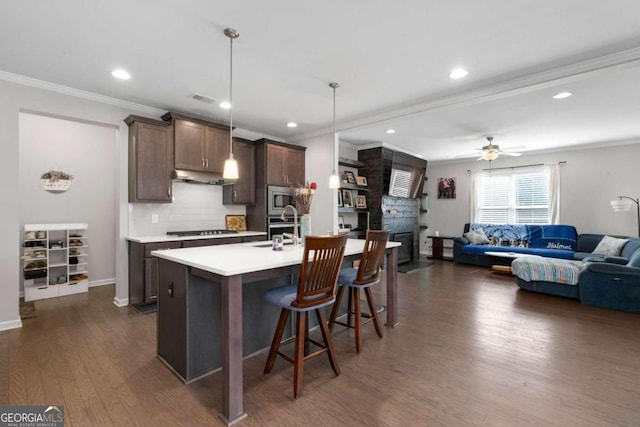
[154, 218]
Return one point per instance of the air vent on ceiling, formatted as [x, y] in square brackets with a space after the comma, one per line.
[203, 98]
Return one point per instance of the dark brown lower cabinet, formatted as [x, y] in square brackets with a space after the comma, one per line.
[143, 267]
[143, 271]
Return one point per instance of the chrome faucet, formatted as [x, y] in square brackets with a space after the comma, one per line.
[294, 237]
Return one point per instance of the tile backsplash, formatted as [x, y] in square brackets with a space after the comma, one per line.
[194, 207]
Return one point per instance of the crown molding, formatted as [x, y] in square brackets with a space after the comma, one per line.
[66, 90]
[493, 91]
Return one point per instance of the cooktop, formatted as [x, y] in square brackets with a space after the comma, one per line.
[200, 232]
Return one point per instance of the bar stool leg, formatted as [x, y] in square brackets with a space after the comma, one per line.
[336, 308]
[372, 309]
[301, 326]
[357, 315]
[328, 342]
[277, 337]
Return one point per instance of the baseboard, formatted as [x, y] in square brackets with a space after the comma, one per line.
[10, 324]
[102, 282]
[121, 302]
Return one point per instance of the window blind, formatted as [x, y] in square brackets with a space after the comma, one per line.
[514, 198]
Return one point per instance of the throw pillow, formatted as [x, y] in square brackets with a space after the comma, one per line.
[477, 237]
[610, 246]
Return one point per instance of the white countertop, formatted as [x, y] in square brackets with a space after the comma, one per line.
[166, 238]
[240, 258]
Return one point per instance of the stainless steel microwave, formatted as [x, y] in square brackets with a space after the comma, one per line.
[278, 198]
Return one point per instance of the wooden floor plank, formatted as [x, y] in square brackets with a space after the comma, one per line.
[471, 349]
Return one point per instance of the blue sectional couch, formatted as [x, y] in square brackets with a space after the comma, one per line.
[556, 241]
[571, 268]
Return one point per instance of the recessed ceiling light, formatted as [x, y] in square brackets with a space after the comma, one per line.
[292, 125]
[225, 105]
[562, 95]
[458, 73]
[390, 131]
[121, 74]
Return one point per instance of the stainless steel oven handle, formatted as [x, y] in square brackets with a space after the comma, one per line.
[281, 225]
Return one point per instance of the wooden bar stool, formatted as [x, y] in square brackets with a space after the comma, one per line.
[315, 289]
[366, 275]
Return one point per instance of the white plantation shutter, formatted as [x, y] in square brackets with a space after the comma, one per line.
[494, 200]
[518, 197]
[532, 198]
[400, 183]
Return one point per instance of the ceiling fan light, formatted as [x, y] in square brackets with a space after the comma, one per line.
[490, 154]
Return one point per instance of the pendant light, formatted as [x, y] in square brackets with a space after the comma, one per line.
[334, 179]
[231, 165]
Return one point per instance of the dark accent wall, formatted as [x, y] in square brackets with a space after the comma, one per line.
[377, 169]
[396, 214]
[401, 216]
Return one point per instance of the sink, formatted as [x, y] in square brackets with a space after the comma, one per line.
[270, 245]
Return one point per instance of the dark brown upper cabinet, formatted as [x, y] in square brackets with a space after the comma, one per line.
[150, 160]
[199, 145]
[284, 165]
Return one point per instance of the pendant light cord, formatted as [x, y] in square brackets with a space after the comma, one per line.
[232, 34]
[231, 98]
[334, 85]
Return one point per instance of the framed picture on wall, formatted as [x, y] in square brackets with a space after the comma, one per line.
[347, 199]
[361, 181]
[361, 202]
[446, 188]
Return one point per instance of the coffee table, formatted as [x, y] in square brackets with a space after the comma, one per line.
[504, 269]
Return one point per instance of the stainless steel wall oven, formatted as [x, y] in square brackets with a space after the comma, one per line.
[277, 225]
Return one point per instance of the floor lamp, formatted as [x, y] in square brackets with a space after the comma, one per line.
[621, 205]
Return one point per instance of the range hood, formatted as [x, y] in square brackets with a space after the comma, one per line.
[198, 177]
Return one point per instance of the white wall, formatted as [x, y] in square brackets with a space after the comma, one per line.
[320, 161]
[9, 214]
[590, 179]
[16, 98]
[88, 152]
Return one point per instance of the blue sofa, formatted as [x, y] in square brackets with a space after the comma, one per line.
[556, 241]
[597, 283]
[613, 286]
[599, 280]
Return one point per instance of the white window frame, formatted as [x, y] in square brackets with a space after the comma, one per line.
[482, 183]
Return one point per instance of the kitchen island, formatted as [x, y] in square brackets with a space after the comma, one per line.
[204, 312]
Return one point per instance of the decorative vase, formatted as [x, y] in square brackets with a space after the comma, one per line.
[305, 227]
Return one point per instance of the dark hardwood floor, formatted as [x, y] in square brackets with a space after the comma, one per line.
[471, 349]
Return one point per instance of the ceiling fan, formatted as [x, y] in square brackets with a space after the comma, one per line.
[491, 151]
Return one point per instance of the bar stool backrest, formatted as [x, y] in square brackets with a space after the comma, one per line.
[319, 275]
[372, 256]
